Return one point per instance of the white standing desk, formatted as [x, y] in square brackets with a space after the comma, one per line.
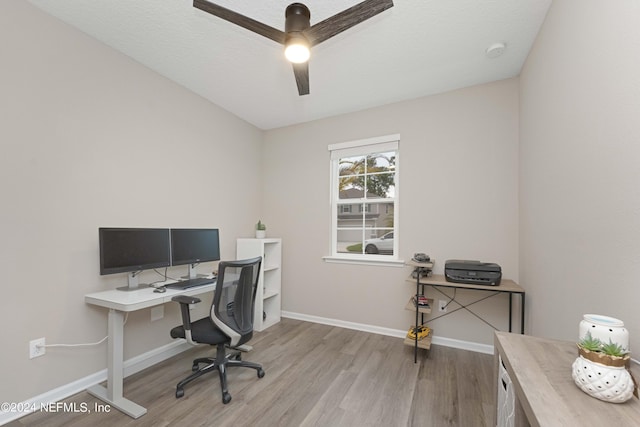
[121, 302]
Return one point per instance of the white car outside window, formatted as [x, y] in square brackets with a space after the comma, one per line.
[379, 245]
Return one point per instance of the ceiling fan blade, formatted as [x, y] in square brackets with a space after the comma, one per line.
[344, 20]
[301, 71]
[241, 20]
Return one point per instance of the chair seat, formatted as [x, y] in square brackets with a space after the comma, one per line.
[203, 331]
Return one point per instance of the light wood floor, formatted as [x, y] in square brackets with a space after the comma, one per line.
[316, 375]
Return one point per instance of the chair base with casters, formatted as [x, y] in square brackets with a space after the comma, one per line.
[226, 329]
[212, 364]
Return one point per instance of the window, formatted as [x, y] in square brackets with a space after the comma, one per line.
[367, 208]
[364, 199]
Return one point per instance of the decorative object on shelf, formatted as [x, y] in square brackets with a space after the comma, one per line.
[261, 230]
[420, 257]
[604, 328]
[422, 332]
[602, 367]
[422, 271]
[423, 265]
[420, 301]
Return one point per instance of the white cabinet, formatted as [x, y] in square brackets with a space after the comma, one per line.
[268, 296]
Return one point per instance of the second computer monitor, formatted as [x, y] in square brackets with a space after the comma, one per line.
[191, 246]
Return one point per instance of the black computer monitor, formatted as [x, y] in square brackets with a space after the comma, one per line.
[191, 246]
[131, 250]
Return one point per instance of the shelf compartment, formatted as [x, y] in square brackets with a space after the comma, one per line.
[269, 293]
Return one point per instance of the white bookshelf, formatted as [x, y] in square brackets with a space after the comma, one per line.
[268, 294]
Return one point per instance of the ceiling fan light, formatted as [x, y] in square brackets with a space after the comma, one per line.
[297, 49]
[297, 52]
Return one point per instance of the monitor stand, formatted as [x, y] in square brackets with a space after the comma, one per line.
[193, 273]
[133, 283]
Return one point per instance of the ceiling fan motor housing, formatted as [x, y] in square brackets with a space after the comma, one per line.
[297, 18]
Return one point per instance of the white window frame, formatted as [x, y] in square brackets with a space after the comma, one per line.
[358, 148]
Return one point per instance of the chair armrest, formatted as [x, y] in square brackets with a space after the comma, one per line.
[184, 301]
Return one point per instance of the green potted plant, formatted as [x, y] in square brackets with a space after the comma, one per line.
[261, 230]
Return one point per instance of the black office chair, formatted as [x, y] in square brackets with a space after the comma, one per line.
[229, 325]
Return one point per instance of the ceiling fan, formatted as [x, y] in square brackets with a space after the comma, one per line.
[299, 36]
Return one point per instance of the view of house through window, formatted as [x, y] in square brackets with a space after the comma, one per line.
[364, 199]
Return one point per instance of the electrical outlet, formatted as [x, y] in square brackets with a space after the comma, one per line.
[442, 305]
[36, 348]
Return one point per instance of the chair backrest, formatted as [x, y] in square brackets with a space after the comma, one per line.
[234, 298]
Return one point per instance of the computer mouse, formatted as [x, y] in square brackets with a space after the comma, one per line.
[160, 290]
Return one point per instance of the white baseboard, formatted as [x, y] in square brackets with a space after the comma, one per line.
[446, 342]
[463, 345]
[131, 366]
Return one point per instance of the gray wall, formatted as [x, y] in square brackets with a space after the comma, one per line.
[458, 199]
[90, 138]
[580, 168]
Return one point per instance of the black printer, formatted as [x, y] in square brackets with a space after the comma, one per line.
[472, 272]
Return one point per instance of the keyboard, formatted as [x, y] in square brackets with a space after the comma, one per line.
[191, 283]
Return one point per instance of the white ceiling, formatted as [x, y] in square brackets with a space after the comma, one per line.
[414, 49]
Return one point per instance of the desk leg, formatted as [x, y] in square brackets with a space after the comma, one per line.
[115, 370]
[510, 309]
[522, 314]
[415, 342]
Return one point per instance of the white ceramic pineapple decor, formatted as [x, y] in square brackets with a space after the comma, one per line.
[603, 358]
